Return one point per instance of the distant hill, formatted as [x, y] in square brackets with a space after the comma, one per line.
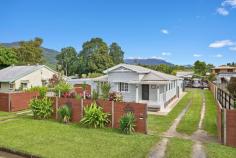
[49, 54]
[151, 61]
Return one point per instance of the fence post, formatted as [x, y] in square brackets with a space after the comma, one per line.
[225, 126]
[9, 102]
[56, 108]
[82, 109]
[112, 114]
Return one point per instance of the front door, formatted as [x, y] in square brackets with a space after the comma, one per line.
[145, 92]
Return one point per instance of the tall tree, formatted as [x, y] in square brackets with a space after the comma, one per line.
[68, 60]
[116, 53]
[94, 56]
[29, 52]
[200, 68]
[7, 56]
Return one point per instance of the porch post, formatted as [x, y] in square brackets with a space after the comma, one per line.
[137, 99]
[158, 94]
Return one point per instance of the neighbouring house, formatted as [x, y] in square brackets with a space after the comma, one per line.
[15, 78]
[140, 85]
[185, 74]
[223, 75]
[223, 69]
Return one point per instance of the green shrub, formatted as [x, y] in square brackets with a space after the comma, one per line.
[78, 97]
[95, 95]
[62, 87]
[41, 108]
[41, 89]
[127, 123]
[105, 88]
[64, 113]
[94, 117]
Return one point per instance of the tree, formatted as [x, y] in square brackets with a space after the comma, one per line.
[116, 53]
[7, 56]
[94, 57]
[232, 86]
[30, 52]
[68, 60]
[209, 67]
[200, 68]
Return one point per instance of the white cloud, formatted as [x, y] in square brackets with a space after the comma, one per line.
[166, 54]
[157, 57]
[218, 56]
[231, 3]
[164, 31]
[197, 55]
[221, 44]
[222, 11]
[232, 48]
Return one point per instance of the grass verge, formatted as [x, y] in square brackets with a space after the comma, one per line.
[55, 140]
[159, 124]
[219, 151]
[189, 122]
[209, 122]
[179, 148]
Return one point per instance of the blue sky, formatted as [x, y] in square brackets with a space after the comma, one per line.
[179, 31]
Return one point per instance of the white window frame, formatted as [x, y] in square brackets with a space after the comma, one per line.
[123, 87]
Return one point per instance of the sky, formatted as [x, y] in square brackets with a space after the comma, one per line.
[179, 31]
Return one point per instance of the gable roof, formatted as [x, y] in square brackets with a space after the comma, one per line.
[135, 68]
[13, 73]
[149, 75]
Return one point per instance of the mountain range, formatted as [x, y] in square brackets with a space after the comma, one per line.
[50, 57]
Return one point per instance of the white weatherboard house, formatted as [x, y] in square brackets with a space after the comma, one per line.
[141, 85]
[22, 77]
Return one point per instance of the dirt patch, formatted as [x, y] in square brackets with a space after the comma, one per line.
[159, 150]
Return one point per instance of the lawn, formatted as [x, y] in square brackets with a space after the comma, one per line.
[219, 151]
[159, 124]
[209, 122]
[189, 122]
[56, 140]
[179, 148]
[2, 113]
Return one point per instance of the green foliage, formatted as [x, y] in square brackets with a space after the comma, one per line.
[232, 86]
[65, 113]
[94, 57]
[105, 88]
[41, 89]
[94, 75]
[95, 94]
[127, 123]
[30, 52]
[7, 56]
[114, 96]
[200, 68]
[212, 77]
[62, 87]
[94, 117]
[116, 53]
[68, 60]
[41, 108]
[78, 97]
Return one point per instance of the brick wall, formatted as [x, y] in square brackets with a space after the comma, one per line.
[119, 109]
[20, 101]
[4, 102]
[17, 100]
[231, 128]
[78, 88]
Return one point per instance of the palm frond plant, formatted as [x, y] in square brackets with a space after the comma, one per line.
[127, 123]
[65, 113]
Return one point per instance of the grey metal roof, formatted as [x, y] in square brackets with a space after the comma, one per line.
[150, 75]
[12, 73]
[138, 69]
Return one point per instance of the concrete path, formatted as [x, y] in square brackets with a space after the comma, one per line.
[8, 155]
[158, 151]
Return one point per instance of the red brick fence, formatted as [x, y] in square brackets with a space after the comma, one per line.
[226, 117]
[115, 109]
[16, 101]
